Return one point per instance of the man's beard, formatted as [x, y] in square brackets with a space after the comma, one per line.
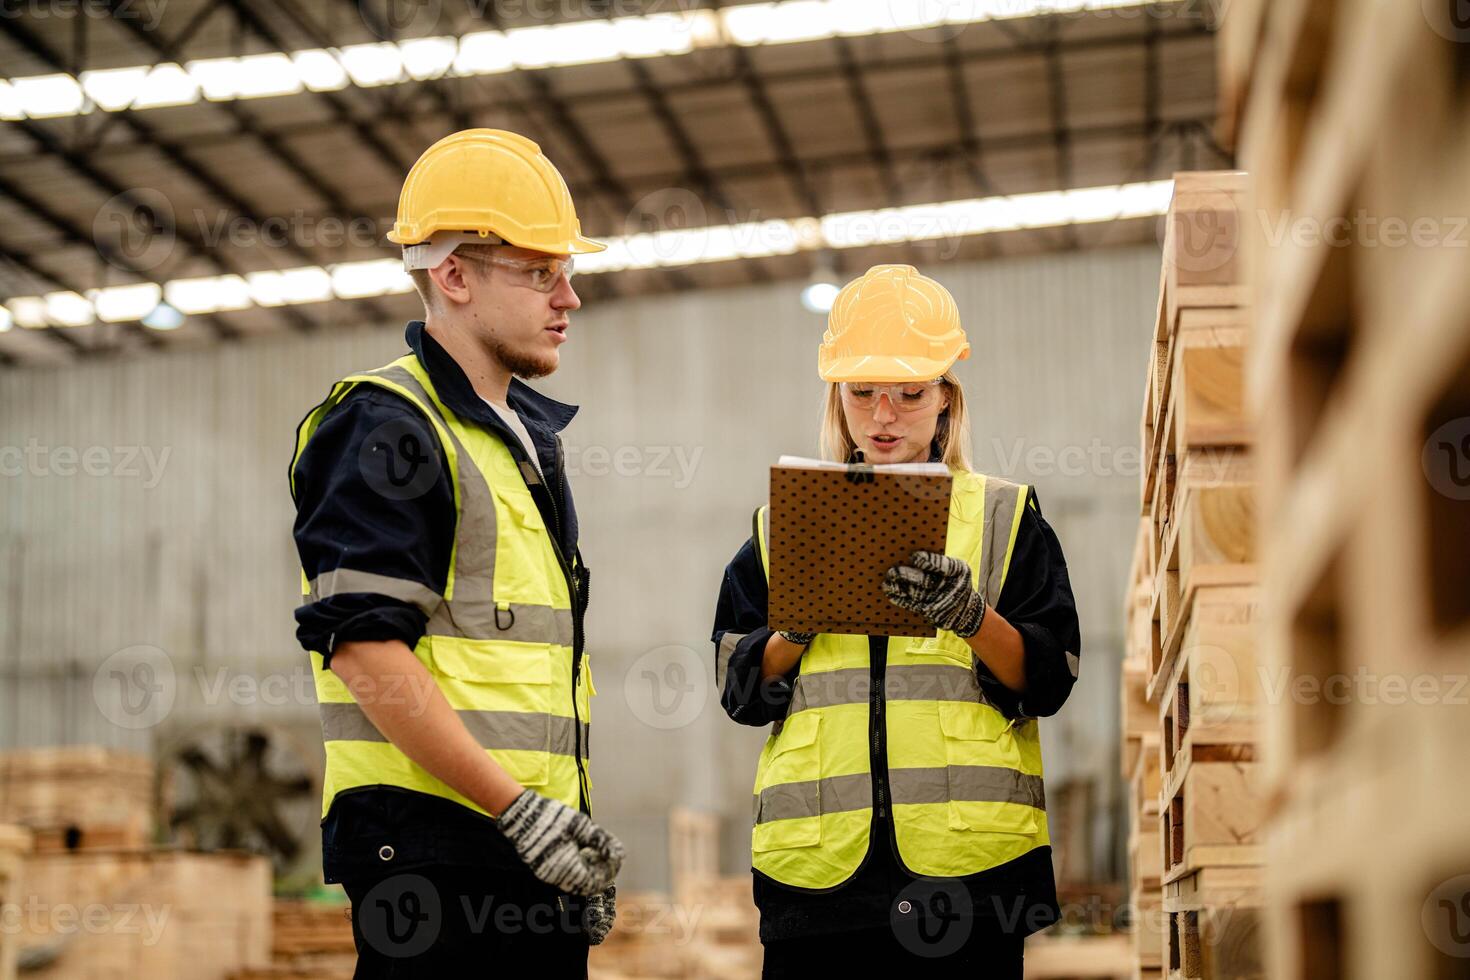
[523, 365]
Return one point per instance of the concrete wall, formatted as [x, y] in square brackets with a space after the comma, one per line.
[175, 533]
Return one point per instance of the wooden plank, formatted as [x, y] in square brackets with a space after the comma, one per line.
[1208, 387]
[1211, 816]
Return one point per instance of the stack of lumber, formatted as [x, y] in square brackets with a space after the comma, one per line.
[310, 940]
[15, 844]
[1356, 130]
[78, 796]
[1189, 681]
[165, 915]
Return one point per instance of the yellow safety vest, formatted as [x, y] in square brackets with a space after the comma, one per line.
[962, 783]
[499, 642]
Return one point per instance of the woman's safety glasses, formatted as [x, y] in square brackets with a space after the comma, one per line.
[909, 396]
[541, 274]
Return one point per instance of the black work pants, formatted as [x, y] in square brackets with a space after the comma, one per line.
[975, 949]
[449, 922]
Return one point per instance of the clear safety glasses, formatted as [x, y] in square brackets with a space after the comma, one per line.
[909, 396]
[541, 274]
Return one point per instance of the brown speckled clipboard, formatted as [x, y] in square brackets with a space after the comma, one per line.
[834, 534]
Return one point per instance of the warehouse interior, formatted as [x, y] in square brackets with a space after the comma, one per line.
[1210, 257]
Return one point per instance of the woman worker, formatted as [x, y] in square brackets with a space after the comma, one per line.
[899, 811]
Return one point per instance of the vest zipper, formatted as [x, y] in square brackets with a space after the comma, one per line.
[578, 607]
[878, 763]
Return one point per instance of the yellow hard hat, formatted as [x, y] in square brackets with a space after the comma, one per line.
[891, 324]
[488, 182]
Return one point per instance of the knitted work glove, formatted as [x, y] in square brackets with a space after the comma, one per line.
[561, 846]
[597, 917]
[937, 587]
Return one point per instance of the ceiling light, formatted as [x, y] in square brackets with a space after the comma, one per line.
[117, 304]
[163, 317]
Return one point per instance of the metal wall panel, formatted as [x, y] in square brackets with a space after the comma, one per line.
[183, 542]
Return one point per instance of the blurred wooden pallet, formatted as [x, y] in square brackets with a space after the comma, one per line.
[165, 914]
[15, 844]
[79, 796]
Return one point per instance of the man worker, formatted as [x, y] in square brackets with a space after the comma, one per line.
[445, 595]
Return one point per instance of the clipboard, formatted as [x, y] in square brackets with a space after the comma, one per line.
[835, 529]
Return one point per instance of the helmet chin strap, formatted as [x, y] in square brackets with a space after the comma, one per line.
[427, 255]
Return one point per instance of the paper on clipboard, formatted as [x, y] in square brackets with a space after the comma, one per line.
[835, 529]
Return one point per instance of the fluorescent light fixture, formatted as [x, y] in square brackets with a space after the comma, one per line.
[571, 43]
[68, 309]
[163, 317]
[352, 280]
[210, 294]
[369, 65]
[117, 304]
[43, 96]
[4, 319]
[428, 57]
[649, 250]
[484, 53]
[308, 284]
[114, 89]
[320, 70]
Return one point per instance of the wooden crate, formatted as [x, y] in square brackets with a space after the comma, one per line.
[1214, 925]
[1208, 709]
[1210, 816]
[1148, 926]
[1145, 784]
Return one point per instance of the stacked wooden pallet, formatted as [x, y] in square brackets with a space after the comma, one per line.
[78, 796]
[1357, 131]
[708, 930]
[310, 940]
[1189, 679]
[170, 915]
[15, 844]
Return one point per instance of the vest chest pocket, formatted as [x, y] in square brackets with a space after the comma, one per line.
[789, 803]
[987, 790]
[502, 693]
[526, 567]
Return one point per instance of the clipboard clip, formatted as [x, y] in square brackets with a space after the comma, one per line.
[860, 473]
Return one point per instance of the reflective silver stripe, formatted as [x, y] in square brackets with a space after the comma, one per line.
[902, 682]
[479, 619]
[835, 794]
[982, 784]
[1073, 663]
[726, 650]
[344, 580]
[505, 730]
[1001, 499]
[814, 797]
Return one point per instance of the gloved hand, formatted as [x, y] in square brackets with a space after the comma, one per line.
[800, 639]
[561, 846]
[938, 588]
[597, 917]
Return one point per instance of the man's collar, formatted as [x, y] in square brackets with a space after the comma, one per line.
[455, 390]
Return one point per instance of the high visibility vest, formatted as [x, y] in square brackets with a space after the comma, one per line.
[962, 784]
[500, 640]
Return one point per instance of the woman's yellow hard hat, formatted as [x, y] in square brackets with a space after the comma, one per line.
[489, 182]
[891, 324]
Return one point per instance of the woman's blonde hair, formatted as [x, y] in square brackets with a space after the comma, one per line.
[952, 431]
